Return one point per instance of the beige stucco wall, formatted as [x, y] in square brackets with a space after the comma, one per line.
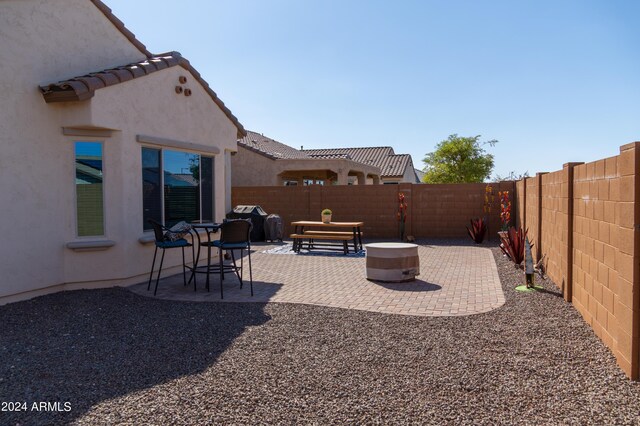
[409, 174]
[42, 44]
[249, 168]
[44, 41]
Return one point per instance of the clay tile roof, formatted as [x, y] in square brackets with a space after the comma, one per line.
[383, 157]
[83, 87]
[121, 74]
[345, 156]
[367, 155]
[269, 147]
[396, 165]
[390, 163]
[107, 78]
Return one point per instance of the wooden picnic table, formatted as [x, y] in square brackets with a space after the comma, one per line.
[327, 232]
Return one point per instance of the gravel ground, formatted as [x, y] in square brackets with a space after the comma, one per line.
[119, 358]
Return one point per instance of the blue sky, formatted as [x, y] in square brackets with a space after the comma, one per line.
[552, 81]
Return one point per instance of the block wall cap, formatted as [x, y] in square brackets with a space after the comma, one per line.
[632, 145]
[572, 164]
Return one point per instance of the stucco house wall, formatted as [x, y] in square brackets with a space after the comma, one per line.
[410, 174]
[253, 169]
[43, 44]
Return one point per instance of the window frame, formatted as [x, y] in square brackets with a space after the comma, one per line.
[162, 150]
[102, 144]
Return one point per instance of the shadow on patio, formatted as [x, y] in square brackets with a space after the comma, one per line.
[413, 286]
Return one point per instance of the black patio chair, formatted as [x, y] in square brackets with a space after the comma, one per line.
[162, 241]
[234, 235]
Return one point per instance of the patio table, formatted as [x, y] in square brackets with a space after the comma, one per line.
[301, 225]
[210, 228]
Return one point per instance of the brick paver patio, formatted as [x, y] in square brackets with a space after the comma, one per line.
[453, 280]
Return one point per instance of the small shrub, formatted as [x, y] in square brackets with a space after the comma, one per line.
[478, 230]
[512, 244]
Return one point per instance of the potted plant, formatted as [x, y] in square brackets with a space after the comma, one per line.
[326, 216]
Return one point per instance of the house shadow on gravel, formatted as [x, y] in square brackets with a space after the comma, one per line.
[84, 347]
[172, 288]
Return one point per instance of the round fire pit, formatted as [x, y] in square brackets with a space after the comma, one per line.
[392, 262]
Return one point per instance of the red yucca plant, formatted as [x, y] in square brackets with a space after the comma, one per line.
[513, 244]
[477, 230]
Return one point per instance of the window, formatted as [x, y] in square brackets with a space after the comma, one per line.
[89, 191]
[182, 191]
[311, 181]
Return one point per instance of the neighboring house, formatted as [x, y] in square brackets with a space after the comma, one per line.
[394, 168]
[420, 175]
[97, 136]
[263, 161]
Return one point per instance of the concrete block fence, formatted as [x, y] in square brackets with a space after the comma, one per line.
[584, 219]
[434, 211]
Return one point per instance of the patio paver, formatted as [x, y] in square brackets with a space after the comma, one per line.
[454, 280]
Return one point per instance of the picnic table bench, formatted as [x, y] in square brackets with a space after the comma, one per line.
[328, 239]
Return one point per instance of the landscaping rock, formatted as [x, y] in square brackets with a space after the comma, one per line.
[119, 358]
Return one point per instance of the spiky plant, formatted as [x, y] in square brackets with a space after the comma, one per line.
[478, 230]
[512, 244]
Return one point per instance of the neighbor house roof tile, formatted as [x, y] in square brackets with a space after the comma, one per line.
[268, 147]
[390, 163]
[383, 157]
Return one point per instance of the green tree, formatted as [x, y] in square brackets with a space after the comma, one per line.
[459, 160]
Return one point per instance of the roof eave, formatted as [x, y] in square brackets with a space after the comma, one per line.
[83, 88]
[66, 96]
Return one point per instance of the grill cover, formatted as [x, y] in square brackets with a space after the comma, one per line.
[273, 228]
[257, 216]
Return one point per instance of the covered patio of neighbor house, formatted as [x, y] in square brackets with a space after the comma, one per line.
[336, 171]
